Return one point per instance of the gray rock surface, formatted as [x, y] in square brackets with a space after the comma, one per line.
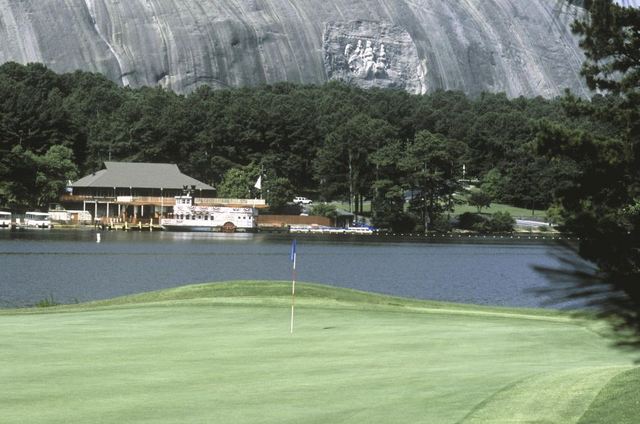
[521, 47]
[373, 54]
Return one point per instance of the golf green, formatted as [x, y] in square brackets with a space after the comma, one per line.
[223, 353]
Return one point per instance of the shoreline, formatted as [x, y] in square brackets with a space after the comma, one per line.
[454, 234]
[455, 237]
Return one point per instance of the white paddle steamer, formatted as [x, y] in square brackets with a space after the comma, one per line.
[187, 216]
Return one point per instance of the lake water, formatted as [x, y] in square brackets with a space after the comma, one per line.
[70, 266]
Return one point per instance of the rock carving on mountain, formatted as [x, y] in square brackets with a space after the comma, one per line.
[369, 64]
[365, 64]
[515, 46]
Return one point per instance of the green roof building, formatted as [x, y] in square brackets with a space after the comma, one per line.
[129, 191]
[144, 178]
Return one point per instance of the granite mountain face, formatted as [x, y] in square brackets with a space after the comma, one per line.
[521, 47]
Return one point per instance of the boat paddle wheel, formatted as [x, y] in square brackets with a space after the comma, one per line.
[228, 227]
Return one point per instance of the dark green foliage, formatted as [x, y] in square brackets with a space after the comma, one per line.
[611, 42]
[238, 182]
[599, 202]
[480, 199]
[430, 164]
[343, 166]
[322, 139]
[388, 192]
[336, 141]
[598, 199]
[388, 207]
[441, 224]
[37, 137]
[470, 221]
[399, 223]
[324, 209]
[278, 192]
[499, 222]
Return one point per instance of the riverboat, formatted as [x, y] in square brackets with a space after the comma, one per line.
[187, 216]
[37, 220]
[5, 219]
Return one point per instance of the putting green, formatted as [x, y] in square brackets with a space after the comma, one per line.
[223, 353]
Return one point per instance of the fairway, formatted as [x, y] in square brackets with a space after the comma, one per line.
[222, 353]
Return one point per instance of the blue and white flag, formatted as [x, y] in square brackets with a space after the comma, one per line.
[293, 253]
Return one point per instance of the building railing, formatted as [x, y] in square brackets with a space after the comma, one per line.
[123, 200]
[82, 198]
[163, 201]
[216, 201]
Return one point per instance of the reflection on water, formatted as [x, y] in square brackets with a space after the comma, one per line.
[204, 236]
[71, 266]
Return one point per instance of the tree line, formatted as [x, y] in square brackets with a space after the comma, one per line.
[329, 142]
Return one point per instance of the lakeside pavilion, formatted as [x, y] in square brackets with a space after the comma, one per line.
[134, 192]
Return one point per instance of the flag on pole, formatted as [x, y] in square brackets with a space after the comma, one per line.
[293, 253]
[292, 256]
[258, 183]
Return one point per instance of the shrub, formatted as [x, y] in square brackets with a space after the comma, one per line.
[470, 221]
[479, 199]
[501, 222]
[324, 209]
[441, 224]
[404, 223]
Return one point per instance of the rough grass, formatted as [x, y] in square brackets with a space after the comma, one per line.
[618, 402]
[223, 353]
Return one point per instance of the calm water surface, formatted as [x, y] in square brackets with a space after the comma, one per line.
[70, 266]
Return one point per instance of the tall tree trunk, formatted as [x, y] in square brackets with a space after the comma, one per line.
[350, 183]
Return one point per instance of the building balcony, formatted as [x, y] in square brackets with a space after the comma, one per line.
[162, 201]
[234, 203]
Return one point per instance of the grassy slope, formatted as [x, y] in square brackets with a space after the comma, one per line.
[498, 207]
[464, 207]
[223, 353]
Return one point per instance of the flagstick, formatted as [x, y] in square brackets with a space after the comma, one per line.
[293, 289]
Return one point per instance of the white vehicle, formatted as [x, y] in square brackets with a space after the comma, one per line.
[59, 215]
[5, 219]
[37, 220]
[188, 217]
[302, 201]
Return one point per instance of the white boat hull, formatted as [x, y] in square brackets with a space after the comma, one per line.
[204, 229]
[187, 217]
